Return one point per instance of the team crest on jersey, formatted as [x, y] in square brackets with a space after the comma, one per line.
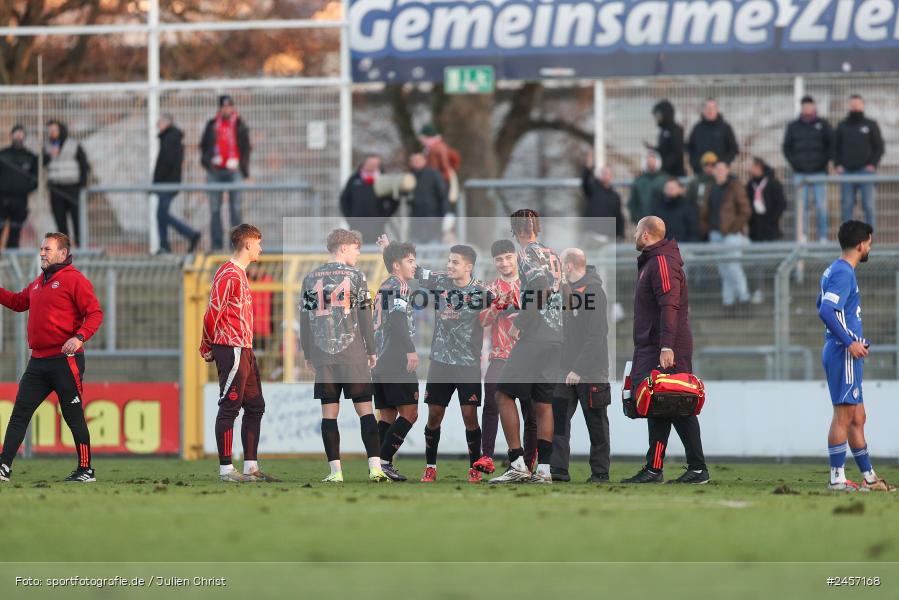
[35, 287]
[55, 285]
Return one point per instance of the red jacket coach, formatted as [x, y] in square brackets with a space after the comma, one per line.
[63, 314]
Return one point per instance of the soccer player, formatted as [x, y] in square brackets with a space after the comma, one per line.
[845, 348]
[455, 354]
[337, 335]
[533, 365]
[63, 314]
[506, 290]
[228, 341]
[394, 376]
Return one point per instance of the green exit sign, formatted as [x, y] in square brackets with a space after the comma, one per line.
[468, 80]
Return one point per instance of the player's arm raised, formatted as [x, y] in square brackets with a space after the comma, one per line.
[17, 301]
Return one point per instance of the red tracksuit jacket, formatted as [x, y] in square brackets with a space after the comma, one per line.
[59, 308]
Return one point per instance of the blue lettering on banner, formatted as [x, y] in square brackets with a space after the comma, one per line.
[409, 40]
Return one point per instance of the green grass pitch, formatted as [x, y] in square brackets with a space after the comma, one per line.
[171, 515]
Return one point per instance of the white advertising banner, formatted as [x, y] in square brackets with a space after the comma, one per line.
[740, 418]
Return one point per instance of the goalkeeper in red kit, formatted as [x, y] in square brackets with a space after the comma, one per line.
[228, 340]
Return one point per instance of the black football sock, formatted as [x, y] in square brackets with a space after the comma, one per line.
[394, 438]
[515, 454]
[432, 440]
[369, 428]
[473, 437]
[383, 428]
[544, 451]
[331, 439]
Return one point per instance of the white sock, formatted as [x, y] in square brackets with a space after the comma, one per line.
[374, 463]
[518, 464]
[249, 466]
[543, 469]
[335, 466]
[870, 476]
[225, 469]
[385, 462]
[432, 466]
[837, 475]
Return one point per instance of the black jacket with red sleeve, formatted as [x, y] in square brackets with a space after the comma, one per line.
[661, 307]
[61, 303]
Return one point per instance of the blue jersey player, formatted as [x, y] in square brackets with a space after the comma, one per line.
[845, 348]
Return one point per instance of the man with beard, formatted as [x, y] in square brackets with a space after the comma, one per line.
[839, 306]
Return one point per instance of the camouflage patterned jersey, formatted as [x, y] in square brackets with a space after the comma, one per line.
[335, 316]
[540, 272]
[458, 334]
[394, 326]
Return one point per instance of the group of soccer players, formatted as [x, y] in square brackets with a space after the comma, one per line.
[363, 348]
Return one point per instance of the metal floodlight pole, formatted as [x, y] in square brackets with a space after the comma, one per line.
[152, 111]
[346, 99]
[599, 124]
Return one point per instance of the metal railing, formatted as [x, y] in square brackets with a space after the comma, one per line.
[108, 218]
[784, 323]
[886, 192]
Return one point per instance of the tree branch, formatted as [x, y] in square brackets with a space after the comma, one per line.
[561, 125]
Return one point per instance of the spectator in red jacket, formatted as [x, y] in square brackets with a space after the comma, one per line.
[63, 314]
[442, 158]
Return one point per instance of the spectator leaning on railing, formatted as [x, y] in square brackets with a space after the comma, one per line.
[225, 154]
[858, 150]
[711, 134]
[808, 147]
[18, 178]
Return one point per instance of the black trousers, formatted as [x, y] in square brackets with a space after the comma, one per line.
[60, 374]
[64, 200]
[239, 386]
[687, 429]
[16, 210]
[594, 400]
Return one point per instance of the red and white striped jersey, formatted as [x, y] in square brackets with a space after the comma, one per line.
[229, 318]
[500, 324]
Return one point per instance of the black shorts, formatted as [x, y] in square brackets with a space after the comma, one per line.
[391, 392]
[531, 372]
[444, 380]
[353, 381]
